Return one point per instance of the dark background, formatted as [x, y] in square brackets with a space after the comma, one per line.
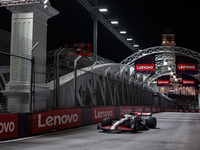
[144, 21]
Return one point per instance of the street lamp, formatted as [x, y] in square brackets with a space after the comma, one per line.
[129, 39]
[122, 32]
[114, 22]
[135, 46]
[103, 10]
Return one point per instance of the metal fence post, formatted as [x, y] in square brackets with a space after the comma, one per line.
[31, 84]
[75, 77]
[32, 81]
[56, 72]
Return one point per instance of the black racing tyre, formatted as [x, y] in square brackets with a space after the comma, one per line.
[152, 122]
[106, 121]
[136, 125]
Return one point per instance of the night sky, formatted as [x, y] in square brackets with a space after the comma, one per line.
[144, 21]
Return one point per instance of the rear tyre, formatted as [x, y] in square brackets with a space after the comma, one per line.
[152, 122]
[136, 125]
[106, 121]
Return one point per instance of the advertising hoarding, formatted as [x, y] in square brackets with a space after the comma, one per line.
[186, 65]
[99, 113]
[58, 119]
[145, 65]
[8, 126]
[163, 81]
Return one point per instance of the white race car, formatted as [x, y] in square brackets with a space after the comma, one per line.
[130, 122]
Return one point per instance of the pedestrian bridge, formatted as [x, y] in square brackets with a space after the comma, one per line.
[115, 84]
[105, 83]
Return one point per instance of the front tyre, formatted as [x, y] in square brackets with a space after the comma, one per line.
[152, 122]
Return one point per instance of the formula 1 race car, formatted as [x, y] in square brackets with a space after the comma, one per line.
[130, 122]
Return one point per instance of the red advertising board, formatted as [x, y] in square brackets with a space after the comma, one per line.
[125, 110]
[57, 119]
[145, 67]
[186, 66]
[158, 109]
[147, 108]
[139, 108]
[162, 82]
[8, 126]
[154, 109]
[188, 82]
[98, 113]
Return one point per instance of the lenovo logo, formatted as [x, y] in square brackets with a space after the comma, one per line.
[7, 127]
[186, 66]
[98, 113]
[145, 67]
[57, 120]
[188, 82]
[103, 114]
[163, 81]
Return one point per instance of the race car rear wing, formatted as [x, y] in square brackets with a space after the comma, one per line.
[143, 114]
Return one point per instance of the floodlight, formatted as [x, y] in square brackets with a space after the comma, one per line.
[135, 45]
[103, 10]
[129, 39]
[46, 4]
[122, 32]
[114, 22]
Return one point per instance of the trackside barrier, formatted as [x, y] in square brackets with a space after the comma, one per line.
[139, 108]
[125, 110]
[57, 119]
[22, 125]
[8, 126]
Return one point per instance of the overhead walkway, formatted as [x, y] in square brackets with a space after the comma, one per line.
[103, 84]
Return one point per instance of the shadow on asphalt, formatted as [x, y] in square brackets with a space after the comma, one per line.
[120, 132]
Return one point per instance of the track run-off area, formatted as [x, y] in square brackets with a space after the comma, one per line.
[175, 131]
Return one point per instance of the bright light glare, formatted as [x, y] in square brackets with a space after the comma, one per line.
[165, 62]
[103, 10]
[129, 39]
[135, 45]
[114, 22]
[122, 32]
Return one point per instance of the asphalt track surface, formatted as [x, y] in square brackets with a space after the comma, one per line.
[175, 131]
